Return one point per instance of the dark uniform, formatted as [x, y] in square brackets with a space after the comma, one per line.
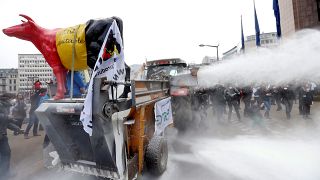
[246, 98]
[265, 96]
[5, 122]
[305, 99]
[199, 104]
[276, 93]
[287, 98]
[232, 96]
[218, 101]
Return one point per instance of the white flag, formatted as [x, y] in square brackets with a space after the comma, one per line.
[163, 115]
[110, 64]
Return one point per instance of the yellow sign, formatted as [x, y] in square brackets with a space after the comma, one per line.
[65, 40]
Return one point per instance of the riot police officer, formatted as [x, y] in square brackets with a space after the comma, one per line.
[246, 98]
[287, 98]
[199, 105]
[266, 95]
[232, 96]
[218, 101]
[306, 100]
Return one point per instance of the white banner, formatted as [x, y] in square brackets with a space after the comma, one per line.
[110, 64]
[163, 115]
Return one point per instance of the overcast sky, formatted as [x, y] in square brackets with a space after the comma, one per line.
[152, 29]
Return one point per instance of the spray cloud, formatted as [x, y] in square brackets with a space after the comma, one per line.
[296, 59]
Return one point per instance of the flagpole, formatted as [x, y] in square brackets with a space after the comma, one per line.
[257, 28]
[242, 37]
[276, 11]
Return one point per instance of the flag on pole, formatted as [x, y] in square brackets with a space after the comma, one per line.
[256, 23]
[242, 36]
[110, 64]
[277, 16]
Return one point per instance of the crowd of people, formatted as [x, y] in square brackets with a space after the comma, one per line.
[259, 99]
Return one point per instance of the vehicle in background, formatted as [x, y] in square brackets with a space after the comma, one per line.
[188, 100]
[163, 69]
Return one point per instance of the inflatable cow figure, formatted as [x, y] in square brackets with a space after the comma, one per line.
[57, 45]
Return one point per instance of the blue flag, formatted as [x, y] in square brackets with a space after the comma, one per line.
[277, 15]
[242, 36]
[256, 23]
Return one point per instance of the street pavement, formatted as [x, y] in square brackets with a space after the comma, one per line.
[26, 154]
[183, 160]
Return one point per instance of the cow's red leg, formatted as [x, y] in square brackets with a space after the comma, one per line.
[60, 73]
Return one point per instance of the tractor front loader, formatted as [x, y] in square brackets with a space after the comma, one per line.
[123, 138]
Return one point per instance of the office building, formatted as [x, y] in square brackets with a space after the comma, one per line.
[298, 14]
[9, 81]
[33, 67]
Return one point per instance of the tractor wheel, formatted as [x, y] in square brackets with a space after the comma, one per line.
[182, 114]
[156, 155]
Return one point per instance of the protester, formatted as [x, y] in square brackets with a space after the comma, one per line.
[5, 123]
[19, 110]
[33, 120]
[37, 84]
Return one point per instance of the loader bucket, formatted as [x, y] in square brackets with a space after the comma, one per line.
[94, 155]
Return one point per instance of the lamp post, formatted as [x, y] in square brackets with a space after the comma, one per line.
[217, 46]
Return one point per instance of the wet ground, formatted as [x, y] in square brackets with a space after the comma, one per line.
[278, 149]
